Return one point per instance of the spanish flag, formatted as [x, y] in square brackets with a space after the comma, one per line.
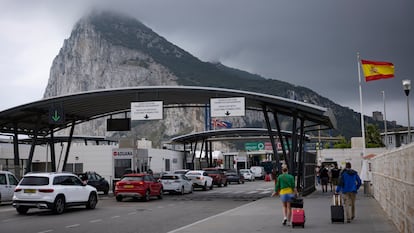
[374, 70]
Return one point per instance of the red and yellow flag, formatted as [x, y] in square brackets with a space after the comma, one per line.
[374, 70]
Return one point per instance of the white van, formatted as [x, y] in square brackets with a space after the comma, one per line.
[258, 171]
[8, 182]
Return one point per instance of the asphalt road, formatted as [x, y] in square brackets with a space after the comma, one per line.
[155, 216]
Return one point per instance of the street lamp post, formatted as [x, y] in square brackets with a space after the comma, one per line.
[407, 86]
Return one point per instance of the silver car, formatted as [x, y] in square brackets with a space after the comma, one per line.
[8, 182]
[200, 179]
[176, 183]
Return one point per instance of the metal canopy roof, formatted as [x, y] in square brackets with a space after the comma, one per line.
[85, 106]
[227, 134]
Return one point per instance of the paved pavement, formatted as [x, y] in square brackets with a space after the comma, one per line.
[265, 215]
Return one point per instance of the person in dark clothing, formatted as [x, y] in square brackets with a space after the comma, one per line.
[334, 176]
[349, 183]
[324, 178]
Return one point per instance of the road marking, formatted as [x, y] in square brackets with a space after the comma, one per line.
[8, 220]
[132, 213]
[73, 226]
[6, 209]
[116, 216]
[46, 231]
[95, 220]
[251, 192]
[265, 192]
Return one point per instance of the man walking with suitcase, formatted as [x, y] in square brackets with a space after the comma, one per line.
[349, 183]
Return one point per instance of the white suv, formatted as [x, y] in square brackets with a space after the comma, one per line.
[54, 191]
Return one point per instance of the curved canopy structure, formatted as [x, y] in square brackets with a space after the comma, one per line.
[45, 117]
[34, 118]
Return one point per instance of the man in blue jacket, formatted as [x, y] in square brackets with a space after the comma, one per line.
[349, 183]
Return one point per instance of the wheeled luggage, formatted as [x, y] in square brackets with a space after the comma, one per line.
[298, 217]
[296, 202]
[337, 210]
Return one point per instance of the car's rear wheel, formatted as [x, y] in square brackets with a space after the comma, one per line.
[92, 201]
[22, 209]
[146, 196]
[119, 198]
[182, 190]
[106, 191]
[59, 205]
[205, 186]
[160, 194]
[211, 187]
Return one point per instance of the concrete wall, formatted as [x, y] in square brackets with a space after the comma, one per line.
[393, 185]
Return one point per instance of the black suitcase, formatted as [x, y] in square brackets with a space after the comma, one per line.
[337, 213]
[337, 210]
[296, 202]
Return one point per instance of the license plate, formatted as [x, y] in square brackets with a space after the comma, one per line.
[128, 186]
[30, 191]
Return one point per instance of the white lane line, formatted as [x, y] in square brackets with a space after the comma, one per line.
[251, 192]
[211, 217]
[73, 226]
[7, 209]
[7, 220]
[46, 231]
[132, 213]
[116, 216]
[265, 192]
[95, 220]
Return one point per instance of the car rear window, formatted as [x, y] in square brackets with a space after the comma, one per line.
[193, 173]
[35, 180]
[212, 172]
[170, 178]
[132, 178]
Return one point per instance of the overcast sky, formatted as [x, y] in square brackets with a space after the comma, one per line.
[310, 43]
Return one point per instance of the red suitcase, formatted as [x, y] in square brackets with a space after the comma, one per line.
[298, 217]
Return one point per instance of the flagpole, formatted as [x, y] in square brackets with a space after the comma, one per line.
[360, 103]
[385, 122]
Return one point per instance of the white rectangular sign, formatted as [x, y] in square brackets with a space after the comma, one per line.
[221, 107]
[151, 110]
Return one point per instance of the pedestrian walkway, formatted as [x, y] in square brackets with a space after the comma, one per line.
[265, 216]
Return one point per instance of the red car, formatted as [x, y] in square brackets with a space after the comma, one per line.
[138, 186]
[218, 175]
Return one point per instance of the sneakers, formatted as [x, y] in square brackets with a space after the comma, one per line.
[284, 222]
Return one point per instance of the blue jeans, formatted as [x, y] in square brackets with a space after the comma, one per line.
[287, 197]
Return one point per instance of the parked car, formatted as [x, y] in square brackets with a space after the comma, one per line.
[55, 191]
[218, 175]
[138, 185]
[247, 174]
[177, 183]
[95, 180]
[157, 175]
[8, 182]
[200, 178]
[234, 177]
[181, 171]
[258, 171]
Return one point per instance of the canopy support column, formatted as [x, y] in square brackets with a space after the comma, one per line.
[33, 146]
[279, 132]
[16, 151]
[72, 128]
[52, 151]
[272, 138]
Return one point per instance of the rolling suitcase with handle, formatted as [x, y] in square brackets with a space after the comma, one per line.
[337, 210]
[298, 217]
